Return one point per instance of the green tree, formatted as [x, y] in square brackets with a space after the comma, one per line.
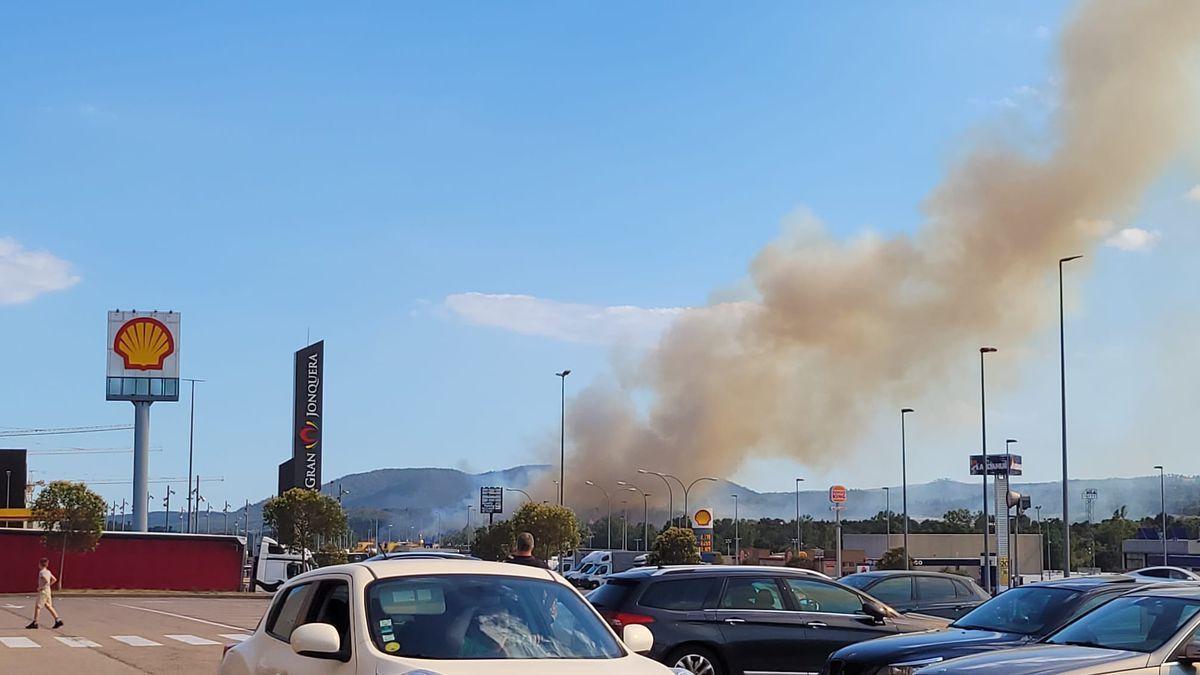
[675, 546]
[961, 520]
[72, 518]
[554, 528]
[892, 559]
[495, 542]
[304, 518]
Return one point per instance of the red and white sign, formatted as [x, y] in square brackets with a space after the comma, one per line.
[837, 494]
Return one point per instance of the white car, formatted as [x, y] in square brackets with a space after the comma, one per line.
[1165, 574]
[436, 616]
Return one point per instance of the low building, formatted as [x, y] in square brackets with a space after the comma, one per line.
[1143, 552]
[959, 553]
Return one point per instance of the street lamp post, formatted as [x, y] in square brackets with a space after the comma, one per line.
[607, 498]
[887, 514]
[987, 553]
[737, 539]
[562, 437]
[1045, 547]
[799, 537]
[191, 447]
[904, 479]
[687, 517]
[527, 497]
[1162, 495]
[624, 525]
[645, 513]
[167, 506]
[1062, 370]
[670, 491]
[7, 488]
[1014, 542]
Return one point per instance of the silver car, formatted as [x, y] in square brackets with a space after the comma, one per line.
[1155, 631]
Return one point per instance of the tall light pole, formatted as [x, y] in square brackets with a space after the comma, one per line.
[1062, 370]
[562, 437]
[607, 498]
[687, 517]
[1044, 554]
[799, 537]
[624, 525]
[737, 539]
[904, 480]
[887, 514]
[645, 513]
[191, 447]
[7, 488]
[987, 553]
[670, 492]
[1162, 495]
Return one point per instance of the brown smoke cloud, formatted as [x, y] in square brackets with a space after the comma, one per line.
[841, 328]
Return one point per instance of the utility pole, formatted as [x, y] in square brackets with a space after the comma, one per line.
[562, 438]
[167, 506]
[1062, 369]
[987, 554]
[737, 540]
[799, 536]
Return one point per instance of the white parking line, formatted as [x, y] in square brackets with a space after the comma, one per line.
[180, 616]
[19, 643]
[236, 637]
[135, 641]
[191, 640]
[77, 642]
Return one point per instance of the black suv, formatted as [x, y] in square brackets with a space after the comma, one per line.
[1012, 619]
[718, 620]
[933, 593]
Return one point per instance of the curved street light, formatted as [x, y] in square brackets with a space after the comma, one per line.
[645, 512]
[670, 492]
[687, 518]
[607, 498]
[521, 491]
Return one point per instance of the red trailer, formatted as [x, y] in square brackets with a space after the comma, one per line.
[127, 560]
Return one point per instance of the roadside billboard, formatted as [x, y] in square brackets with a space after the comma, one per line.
[491, 500]
[837, 494]
[702, 526]
[143, 356]
[307, 416]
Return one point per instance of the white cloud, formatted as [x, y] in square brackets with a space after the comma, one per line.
[1133, 239]
[1193, 194]
[569, 322]
[26, 274]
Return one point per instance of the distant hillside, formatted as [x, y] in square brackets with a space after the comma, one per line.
[428, 499]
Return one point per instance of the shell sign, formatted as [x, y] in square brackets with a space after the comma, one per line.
[143, 344]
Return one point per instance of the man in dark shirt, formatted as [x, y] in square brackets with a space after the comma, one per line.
[524, 553]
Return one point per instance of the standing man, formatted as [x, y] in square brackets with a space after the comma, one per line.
[46, 579]
[524, 553]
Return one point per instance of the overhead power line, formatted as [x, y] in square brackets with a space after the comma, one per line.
[55, 431]
[86, 451]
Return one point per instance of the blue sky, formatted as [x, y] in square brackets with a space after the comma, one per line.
[289, 170]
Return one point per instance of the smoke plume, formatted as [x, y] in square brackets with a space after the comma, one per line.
[839, 328]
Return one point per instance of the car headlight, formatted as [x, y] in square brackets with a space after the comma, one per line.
[908, 667]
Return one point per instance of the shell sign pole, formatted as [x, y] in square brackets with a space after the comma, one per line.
[143, 367]
[702, 526]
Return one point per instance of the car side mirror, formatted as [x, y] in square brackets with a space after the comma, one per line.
[637, 638]
[316, 640]
[874, 610]
[1191, 652]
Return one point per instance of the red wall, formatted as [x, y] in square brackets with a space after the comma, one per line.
[126, 560]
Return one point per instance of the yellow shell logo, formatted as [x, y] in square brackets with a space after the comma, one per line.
[144, 344]
[703, 518]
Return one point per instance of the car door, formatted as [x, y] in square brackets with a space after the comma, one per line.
[937, 596]
[760, 633]
[833, 618]
[325, 600]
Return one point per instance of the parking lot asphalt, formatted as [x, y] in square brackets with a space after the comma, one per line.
[181, 635]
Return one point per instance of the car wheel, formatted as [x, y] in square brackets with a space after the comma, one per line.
[697, 660]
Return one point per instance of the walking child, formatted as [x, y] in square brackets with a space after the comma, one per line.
[46, 579]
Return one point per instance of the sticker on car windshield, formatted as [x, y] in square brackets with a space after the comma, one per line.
[388, 637]
[391, 647]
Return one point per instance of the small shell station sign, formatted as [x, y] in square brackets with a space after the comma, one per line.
[143, 356]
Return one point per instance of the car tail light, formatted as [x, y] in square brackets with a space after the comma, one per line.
[622, 619]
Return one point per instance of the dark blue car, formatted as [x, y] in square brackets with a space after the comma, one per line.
[1011, 619]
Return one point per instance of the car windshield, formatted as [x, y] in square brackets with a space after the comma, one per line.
[1137, 624]
[1028, 610]
[485, 617]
